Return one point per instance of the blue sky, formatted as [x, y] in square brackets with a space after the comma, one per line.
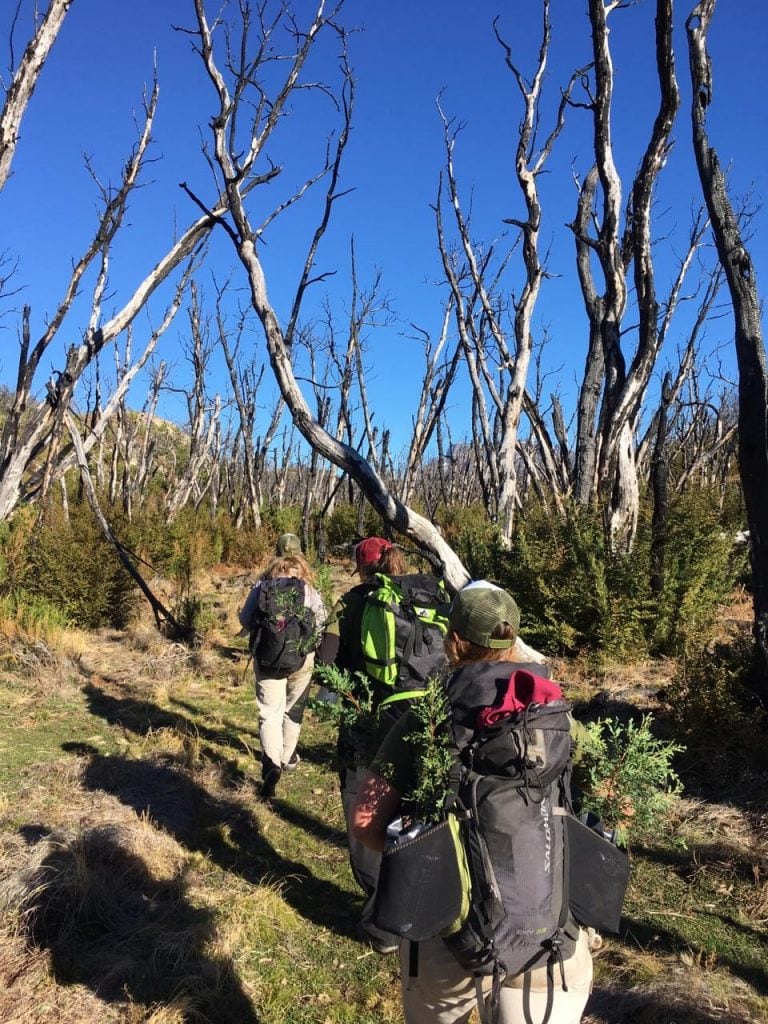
[403, 57]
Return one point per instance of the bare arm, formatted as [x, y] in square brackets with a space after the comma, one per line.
[377, 803]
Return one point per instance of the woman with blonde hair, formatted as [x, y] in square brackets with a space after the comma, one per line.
[284, 614]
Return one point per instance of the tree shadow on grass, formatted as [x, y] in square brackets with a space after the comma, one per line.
[609, 1006]
[221, 829]
[309, 823]
[653, 938]
[232, 728]
[719, 856]
[114, 922]
[143, 717]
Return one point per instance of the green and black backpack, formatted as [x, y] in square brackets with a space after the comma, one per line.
[403, 628]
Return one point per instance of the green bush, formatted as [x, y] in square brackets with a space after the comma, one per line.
[577, 596]
[474, 538]
[35, 615]
[341, 526]
[700, 570]
[716, 708]
[72, 566]
[574, 595]
[627, 774]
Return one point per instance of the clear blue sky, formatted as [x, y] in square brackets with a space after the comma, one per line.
[404, 56]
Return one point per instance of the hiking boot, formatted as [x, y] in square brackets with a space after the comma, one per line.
[269, 783]
[293, 763]
[381, 944]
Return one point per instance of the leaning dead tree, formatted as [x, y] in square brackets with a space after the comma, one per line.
[164, 619]
[748, 336]
[24, 79]
[244, 99]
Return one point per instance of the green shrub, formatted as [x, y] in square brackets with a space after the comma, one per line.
[34, 615]
[276, 520]
[574, 595]
[627, 774]
[700, 569]
[577, 596]
[474, 538]
[716, 708]
[15, 549]
[72, 566]
[324, 584]
[341, 526]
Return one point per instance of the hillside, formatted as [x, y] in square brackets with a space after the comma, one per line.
[143, 880]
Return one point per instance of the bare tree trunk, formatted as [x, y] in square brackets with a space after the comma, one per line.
[660, 491]
[25, 77]
[750, 347]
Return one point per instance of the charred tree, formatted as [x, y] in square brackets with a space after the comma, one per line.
[748, 336]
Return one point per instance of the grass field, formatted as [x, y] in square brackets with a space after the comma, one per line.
[142, 880]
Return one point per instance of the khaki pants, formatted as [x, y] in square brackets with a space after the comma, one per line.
[281, 709]
[443, 992]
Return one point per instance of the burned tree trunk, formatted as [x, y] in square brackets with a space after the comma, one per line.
[748, 337]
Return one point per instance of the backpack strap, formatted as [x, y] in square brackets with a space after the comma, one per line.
[400, 695]
[413, 960]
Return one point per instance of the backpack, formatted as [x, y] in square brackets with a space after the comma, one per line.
[284, 628]
[403, 627]
[512, 736]
[531, 870]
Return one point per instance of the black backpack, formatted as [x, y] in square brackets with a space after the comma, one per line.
[509, 897]
[512, 734]
[283, 632]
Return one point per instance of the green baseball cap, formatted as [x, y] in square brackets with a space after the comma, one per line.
[288, 544]
[478, 609]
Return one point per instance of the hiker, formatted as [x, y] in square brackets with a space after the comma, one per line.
[342, 645]
[483, 625]
[284, 614]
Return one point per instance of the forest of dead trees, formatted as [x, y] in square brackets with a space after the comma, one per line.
[291, 423]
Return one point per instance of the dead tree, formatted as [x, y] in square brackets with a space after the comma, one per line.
[441, 364]
[498, 365]
[606, 450]
[24, 80]
[203, 418]
[163, 617]
[748, 336]
[236, 159]
[34, 429]
[246, 380]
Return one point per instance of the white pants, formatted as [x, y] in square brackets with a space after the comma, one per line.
[281, 709]
[443, 992]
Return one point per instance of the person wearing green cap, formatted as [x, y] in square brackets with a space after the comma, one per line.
[288, 544]
[436, 989]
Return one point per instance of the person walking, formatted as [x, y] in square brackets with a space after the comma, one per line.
[284, 614]
[341, 645]
[483, 626]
